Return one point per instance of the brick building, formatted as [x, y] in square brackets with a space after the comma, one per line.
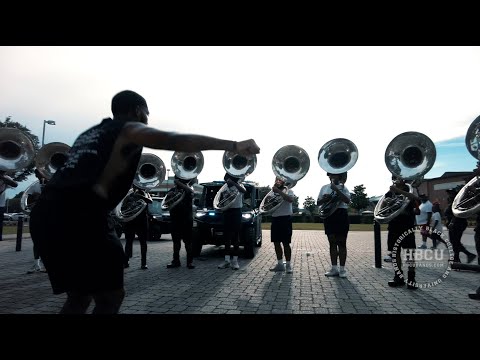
[436, 188]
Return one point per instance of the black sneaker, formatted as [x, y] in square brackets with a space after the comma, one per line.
[411, 285]
[190, 266]
[173, 264]
[144, 267]
[396, 282]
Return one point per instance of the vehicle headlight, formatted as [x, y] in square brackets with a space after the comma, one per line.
[247, 216]
[200, 214]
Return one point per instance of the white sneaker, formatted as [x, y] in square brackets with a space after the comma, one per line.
[289, 269]
[224, 265]
[332, 272]
[278, 267]
[342, 273]
[235, 265]
[35, 268]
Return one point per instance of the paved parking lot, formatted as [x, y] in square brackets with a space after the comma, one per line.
[253, 289]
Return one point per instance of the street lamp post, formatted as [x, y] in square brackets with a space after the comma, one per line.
[49, 122]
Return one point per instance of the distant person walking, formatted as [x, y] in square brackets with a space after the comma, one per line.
[424, 218]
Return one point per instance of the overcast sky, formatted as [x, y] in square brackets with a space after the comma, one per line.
[279, 96]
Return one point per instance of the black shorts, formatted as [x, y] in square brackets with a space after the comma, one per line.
[337, 223]
[281, 230]
[78, 244]
[406, 242]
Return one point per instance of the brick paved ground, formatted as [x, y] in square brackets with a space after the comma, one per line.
[253, 289]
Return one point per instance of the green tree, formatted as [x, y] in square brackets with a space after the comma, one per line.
[295, 204]
[310, 205]
[359, 198]
[22, 174]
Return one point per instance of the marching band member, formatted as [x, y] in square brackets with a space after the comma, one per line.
[72, 219]
[281, 230]
[397, 227]
[139, 226]
[232, 223]
[38, 264]
[5, 182]
[337, 224]
[181, 216]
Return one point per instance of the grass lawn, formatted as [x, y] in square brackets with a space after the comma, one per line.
[12, 229]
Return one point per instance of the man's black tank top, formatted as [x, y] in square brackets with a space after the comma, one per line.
[88, 158]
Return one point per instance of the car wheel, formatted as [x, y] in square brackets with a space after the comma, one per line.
[258, 241]
[196, 242]
[250, 242]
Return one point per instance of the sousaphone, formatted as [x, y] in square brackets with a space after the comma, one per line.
[290, 164]
[238, 166]
[16, 150]
[336, 156]
[467, 201]
[409, 156]
[49, 159]
[150, 173]
[186, 166]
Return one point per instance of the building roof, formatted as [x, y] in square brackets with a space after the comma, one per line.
[450, 174]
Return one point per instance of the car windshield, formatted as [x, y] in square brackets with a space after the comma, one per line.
[155, 208]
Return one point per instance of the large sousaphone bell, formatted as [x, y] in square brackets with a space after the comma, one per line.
[238, 166]
[335, 157]
[49, 159]
[186, 166]
[290, 163]
[150, 173]
[409, 156]
[467, 201]
[16, 150]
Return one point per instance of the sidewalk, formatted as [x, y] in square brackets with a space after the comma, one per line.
[253, 289]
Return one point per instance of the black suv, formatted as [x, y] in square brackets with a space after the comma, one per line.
[159, 219]
[208, 222]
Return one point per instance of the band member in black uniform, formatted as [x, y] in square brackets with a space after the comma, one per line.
[475, 295]
[402, 226]
[232, 224]
[181, 216]
[139, 226]
[456, 226]
[32, 199]
[71, 221]
[5, 182]
[337, 224]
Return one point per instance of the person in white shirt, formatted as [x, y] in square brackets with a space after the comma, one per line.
[5, 182]
[424, 218]
[436, 225]
[337, 224]
[232, 223]
[281, 229]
